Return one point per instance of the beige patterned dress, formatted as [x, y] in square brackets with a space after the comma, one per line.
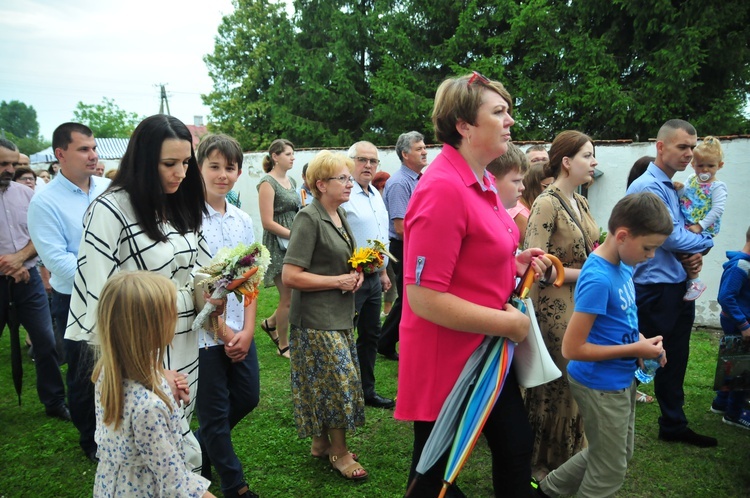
[553, 413]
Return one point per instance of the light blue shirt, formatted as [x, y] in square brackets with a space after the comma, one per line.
[56, 226]
[664, 267]
[367, 216]
[227, 230]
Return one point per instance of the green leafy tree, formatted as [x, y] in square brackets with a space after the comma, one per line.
[19, 119]
[19, 123]
[341, 71]
[250, 66]
[107, 120]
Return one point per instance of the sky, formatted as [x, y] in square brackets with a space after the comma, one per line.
[56, 53]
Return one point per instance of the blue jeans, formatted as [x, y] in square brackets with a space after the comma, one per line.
[227, 392]
[33, 313]
[81, 392]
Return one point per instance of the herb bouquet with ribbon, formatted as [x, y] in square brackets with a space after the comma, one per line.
[238, 270]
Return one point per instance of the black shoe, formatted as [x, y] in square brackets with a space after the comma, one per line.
[689, 437]
[390, 356]
[60, 412]
[243, 492]
[378, 401]
[91, 455]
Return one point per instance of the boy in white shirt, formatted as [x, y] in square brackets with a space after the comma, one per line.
[228, 362]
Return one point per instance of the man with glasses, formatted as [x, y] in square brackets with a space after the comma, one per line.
[368, 220]
[412, 152]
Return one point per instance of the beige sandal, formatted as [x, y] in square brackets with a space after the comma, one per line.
[349, 471]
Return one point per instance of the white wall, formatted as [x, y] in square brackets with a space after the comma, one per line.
[615, 162]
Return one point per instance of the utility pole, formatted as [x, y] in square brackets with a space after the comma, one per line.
[163, 100]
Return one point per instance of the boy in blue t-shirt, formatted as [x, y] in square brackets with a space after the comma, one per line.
[604, 345]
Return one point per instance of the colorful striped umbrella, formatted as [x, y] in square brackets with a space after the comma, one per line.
[472, 398]
[480, 403]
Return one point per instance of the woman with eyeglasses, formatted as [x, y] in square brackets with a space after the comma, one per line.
[25, 176]
[326, 388]
[460, 266]
[279, 202]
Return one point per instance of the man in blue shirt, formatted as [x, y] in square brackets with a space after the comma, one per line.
[412, 152]
[56, 226]
[368, 218]
[661, 282]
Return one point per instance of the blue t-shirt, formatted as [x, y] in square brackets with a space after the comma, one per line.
[607, 291]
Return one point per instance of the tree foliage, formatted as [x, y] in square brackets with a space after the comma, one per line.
[340, 71]
[107, 120]
[19, 123]
[19, 119]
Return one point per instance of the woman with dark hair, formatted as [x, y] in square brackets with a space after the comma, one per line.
[149, 219]
[561, 224]
[25, 176]
[460, 266]
[279, 202]
[639, 167]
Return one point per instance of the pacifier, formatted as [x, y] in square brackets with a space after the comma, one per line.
[704, 177]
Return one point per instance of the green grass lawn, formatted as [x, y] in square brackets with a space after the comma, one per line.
[41, 457]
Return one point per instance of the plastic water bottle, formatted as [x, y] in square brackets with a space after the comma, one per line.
[647, 372]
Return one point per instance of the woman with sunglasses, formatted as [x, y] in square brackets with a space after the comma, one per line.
[460, 266]
[326, 388]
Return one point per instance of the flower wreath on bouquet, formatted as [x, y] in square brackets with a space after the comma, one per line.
[237, 270]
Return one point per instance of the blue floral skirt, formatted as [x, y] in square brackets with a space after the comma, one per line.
[326, 388]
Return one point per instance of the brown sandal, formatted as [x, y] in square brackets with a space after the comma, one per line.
[349, 471]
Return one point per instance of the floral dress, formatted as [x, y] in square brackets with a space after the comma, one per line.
[703, 203]
[553, 413]
[144, 456]
[286, 203]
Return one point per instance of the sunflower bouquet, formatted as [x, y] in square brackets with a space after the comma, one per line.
[238, 270]
[370, 259]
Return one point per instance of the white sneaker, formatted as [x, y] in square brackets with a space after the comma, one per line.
[694, 291]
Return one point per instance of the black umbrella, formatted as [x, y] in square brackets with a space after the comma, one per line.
[13, 323]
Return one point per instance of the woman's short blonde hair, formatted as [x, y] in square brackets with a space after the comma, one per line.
[460, 98]
[324, 166]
